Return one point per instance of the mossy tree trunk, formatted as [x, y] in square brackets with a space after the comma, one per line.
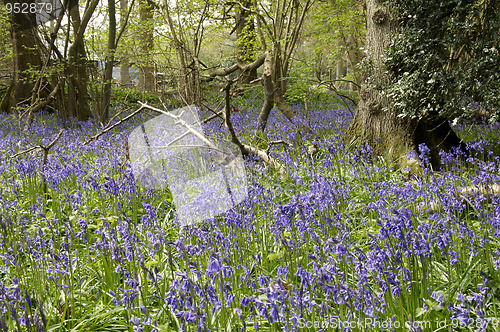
[374, 122]
[246, 38]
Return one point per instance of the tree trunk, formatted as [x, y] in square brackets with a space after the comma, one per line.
[180, 51]
[339, 71]
[246, 37]
[124, 63]
[268, 85]
[110, 59]
[274, 96]
[374, 122]
[146, 74]
[124, 72]
[5, 103]
[77, 74]
[26, 58]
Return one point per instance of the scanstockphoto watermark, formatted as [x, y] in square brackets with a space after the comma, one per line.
[374, 324]
[339, 323]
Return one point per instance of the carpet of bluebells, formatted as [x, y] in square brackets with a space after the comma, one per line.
[346, 241]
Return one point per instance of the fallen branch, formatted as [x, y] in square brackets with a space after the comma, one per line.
[189, 128]
[247, 149]
[110, 127]
[41, 147]
[277, 143]
[215, 115]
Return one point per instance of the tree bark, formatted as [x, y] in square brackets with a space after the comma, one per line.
[246, 37]
[146, 75]
[274, 96]
[5, 103]
[374, 122]
[26, 58]
[110, 59]
[124, 63]
[76, 71]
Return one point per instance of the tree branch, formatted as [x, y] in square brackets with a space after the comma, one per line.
[246, 149]
[244, 68]
[109, 127]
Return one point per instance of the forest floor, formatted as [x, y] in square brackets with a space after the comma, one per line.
[344, 241]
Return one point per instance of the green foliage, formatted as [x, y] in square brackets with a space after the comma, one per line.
[444, 61]
[333, 31]
[297, 92]
[301, 90]
[133, 95]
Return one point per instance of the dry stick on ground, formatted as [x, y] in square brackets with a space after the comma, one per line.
[110, 127]
[277, 143]
[245, 149]
[183, 123]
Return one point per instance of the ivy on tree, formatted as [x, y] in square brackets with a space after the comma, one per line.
[444, 61]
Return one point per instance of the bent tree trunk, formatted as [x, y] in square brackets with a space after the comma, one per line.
[383, 129]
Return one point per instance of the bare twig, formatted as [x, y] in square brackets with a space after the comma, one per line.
[25, 151]
[37, 147]
[33, 108]
[46, 150]
[331, 86]
[213, 116]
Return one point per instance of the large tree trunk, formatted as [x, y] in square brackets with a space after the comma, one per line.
[374, 122]
[246, 37]
[26, 58]
[78, 96]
